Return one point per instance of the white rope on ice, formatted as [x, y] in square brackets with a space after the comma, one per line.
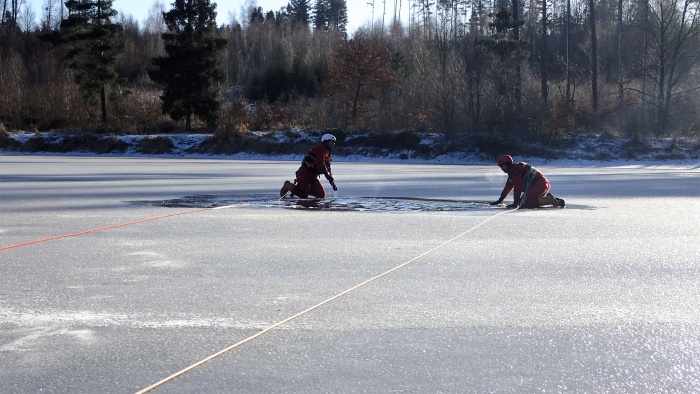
[320, 304]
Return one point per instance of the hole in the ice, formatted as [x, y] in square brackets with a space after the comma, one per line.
[357, 204]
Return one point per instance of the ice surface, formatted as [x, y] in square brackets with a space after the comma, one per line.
[598, 297]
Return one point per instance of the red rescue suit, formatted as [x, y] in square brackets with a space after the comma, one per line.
[316, 162]
[524, 177]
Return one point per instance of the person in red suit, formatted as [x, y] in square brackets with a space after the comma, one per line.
[529, 185]
[316, 162]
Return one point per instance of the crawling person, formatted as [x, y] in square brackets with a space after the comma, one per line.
[527, 183]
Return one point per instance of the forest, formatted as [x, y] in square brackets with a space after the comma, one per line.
[537, 69]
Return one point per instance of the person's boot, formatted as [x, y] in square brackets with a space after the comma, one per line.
[561, 202]
[288, 186]
[548, 200]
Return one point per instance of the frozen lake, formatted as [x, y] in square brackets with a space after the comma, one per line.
[116, 273]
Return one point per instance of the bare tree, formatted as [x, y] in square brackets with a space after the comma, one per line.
[358, 73]
[674, 31]
[516, 36]
[14, 17]
[423, 8]
[568, 48]
[155, 22]
[620, 83]
[383, 13]
[444, 84]
[52, 15]
[10, 16]
[544, 53]
[370, 3]
[594, 55]
[27, 17]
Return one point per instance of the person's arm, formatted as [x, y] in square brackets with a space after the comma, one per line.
[517, 196]
[515, 183]
[327, 164]
[506, 190]
[326, 170]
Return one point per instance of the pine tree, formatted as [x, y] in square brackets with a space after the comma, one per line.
[331, 14]
[506, 52]
[299, 12]
[257, 16]
[321, 10]
[191, 72]
[338, 15]
[92, 44]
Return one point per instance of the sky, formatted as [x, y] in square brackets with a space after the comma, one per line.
[359, 12]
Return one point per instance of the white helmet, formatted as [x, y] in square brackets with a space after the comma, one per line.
[328, 137]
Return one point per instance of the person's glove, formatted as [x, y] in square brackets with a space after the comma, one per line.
[511, 206]
[497, 202]
[330, 179]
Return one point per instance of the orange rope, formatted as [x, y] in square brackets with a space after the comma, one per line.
[100, 229]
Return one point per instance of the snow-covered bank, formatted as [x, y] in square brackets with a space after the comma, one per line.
[407, 147]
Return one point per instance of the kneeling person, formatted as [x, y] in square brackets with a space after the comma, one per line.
[316, 162]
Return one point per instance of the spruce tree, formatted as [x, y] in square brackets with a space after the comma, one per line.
[93, 43]
[338, 15]
[191, 71]
[257, 16]
[321, 14]
[299, 12]
[331, 14]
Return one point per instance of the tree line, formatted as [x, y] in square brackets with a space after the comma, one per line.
[538, 68]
